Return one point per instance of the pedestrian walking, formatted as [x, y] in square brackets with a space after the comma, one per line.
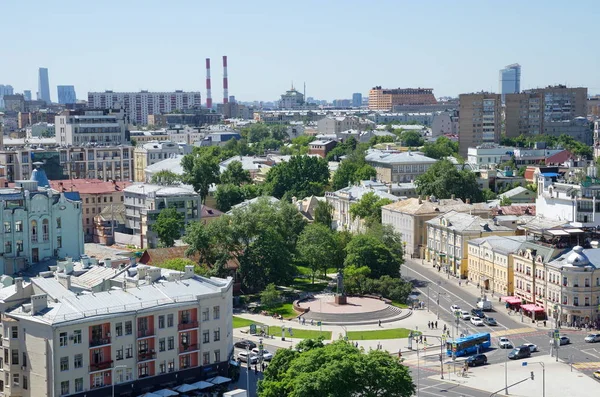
[436, 325]
[425, 339]
[255, 369]
[263, 367]
[379, 322]
[459, 283]
[429, 324]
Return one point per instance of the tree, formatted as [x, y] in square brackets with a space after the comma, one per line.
[165, 177]
[411, 138]
[168, 226]
[318, 248]
[324, 213]
[235, 174]
[441, 148]
[355, 279]
[367, 250]
[487, 194]
[198, 238]
[505, 201]
[353, 169]
[201, 170]
[227, 196]
[368, 208]
[443, 180]
[180, 264]
[270, 297]
[338, 369]
[300, 177]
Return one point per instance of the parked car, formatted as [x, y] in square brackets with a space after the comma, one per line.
[485, 305]
[597, 374]
[245, 344]
[591, 338]
[519, 352]
[504, 343]
[266, 355]
[477, 321]
[490, 321]
[454, 309]
[465, 315]
[563, 340]
[477, 313]
[533, 348]
[477, 359]
[245, 357]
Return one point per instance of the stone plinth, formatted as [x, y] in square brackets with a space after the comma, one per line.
[340, 300]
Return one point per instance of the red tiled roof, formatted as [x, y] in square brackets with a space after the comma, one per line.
[88, 186]
[560, 157]
[156, 256]
[527, 209]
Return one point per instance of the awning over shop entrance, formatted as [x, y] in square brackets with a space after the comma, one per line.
[532, 308]
[513, 300]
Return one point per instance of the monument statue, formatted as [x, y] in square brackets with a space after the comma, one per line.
[340, 296]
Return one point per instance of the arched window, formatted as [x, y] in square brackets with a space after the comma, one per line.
[34, 235]
[45, 230]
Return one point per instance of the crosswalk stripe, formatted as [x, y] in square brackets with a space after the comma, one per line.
[514, 331]
[587, 365]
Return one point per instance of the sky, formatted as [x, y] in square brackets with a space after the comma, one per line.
[336, 47]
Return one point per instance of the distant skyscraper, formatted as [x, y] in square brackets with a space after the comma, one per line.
[66, 94]
[510, 80]
[356, 100]
[44, 85]
[5, 90]
[27, 95]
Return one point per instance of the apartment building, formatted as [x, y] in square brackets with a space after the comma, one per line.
[448, 236]
[386, 98]
[398, 166]
[490, 263]
[321, 147]
[60, 342]
[138, 105]
[38, 223]
[489, 154]
[143, 203]
[151, 153]
[95, 195]
[408, 218]
[551, 110]
[335, 125]
[80, 127]
[479, 120]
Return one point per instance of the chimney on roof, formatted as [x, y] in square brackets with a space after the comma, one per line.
[468, 201]
[453, 197]
[38, 303]
[19, 285]
[420, 199]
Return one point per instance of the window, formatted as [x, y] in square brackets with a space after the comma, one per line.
[205, 358]
[128, 328]
[129, 351]
[25, 382]
[171, 365]
[162, 367]
[64, 387]
[170, 320]
[205, 336]
[64, 363]
[120, 353]
[24, 358]
[7, 247]
[205, 315]
[14, 332]
[161, 345]
[185, 317]
[161, 321]
[119, 329]
[62, 339]
[78, 361]
[16, 379]
[171, 342]
[143, 370]
[77, 336]
[45, 229]
[78, 384]
[576, 301]
[34, 231]
[217, 335]
[217, 356]
[58, 241]
[216, 312]
[6, 227]
[58, 223]
[18, 226]
[20, 246]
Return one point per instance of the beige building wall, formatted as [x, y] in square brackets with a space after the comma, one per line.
[478, 122]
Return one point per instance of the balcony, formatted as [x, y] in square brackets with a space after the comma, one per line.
[146, 355]
[187, 325]
[100, 341]
[98, 385]
[144, 333]
[101, 366]
[188, 348]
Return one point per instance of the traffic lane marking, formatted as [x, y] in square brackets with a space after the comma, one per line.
[447, 389]
[587, 365]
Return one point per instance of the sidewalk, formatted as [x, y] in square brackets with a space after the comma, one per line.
[416, 321]
[560, 381]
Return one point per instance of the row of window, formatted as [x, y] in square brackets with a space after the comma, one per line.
[17, 380]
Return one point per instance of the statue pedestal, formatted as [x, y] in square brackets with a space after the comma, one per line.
[340, 300]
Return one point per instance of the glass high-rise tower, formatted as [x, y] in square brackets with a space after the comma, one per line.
[66, 94]
[43, 86]
[510, 80]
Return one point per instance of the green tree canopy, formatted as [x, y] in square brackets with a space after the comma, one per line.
[368, 208]
[180, 264]
[441, 148]
[168, 226]
[227, 196]
[443, 179]
[235, 174]
[367, 250]
[166, 177]
[335, 370]
[318, 248]
[324, 213]
[270, 297]
[351, 170]
[300, 177]
[411, 138]
[201, 170]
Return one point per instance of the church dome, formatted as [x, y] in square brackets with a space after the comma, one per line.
[577, 258]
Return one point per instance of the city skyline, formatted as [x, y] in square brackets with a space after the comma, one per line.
[263, 72]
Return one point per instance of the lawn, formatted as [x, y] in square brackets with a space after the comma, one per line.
[306, 285]
[394, 333]
[285, 309]
[299, 333]
[239, 322]
[400, 305]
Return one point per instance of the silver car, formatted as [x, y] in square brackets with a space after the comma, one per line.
[592, 338]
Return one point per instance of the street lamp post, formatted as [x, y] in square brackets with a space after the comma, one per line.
[506, 372]
[113, 377]
[247, 369]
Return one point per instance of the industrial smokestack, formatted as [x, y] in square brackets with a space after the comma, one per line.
[225, 83]
[208, 94]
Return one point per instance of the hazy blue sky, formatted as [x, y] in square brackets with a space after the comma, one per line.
[336, 47]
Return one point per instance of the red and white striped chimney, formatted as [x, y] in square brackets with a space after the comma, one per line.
[208, 94]
[225, 83]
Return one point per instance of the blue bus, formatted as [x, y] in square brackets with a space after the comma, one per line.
[469, 344]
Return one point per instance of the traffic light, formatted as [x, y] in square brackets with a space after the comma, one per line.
[532, 376]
